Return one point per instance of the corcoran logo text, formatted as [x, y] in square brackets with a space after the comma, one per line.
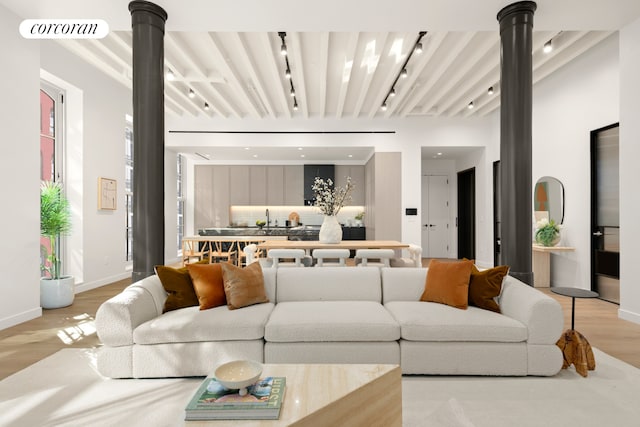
[64, 28]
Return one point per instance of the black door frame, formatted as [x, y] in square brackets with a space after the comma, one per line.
[466, 220]
[594, 207]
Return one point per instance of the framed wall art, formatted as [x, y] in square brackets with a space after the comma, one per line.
[107, 193]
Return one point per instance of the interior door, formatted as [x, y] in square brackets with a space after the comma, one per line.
[467, 214]
[435, 216]
[605, 213]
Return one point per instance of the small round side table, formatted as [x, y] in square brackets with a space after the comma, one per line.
[575, 348]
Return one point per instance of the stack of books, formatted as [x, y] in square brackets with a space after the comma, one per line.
[212, 401]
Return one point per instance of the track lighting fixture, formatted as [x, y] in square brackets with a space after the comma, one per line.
[170, 75]
[206, 106]
[417, 48]
[470, 106]
[548, 47]
[192, 94]
[490, 90]
[287, 69]
[283, 46]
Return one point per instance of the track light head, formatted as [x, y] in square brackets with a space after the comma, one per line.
[287, 73]
[548, 47]
[404, 73]
[170, 76]
[418, 48]
[295, 105]
[392, 92]
[470, 106]
[384, 106]
[292, 93]
[192, 94]
[206, 106]
[490, 90]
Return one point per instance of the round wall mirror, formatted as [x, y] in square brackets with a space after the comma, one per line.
[548, 199]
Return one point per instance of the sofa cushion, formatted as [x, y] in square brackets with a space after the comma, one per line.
[243, 286]
[217, 324]
[329, 284]
[426, 321]
[207, 282]
[178, 284]
[308, 321]
[485, 287]
[448, 283]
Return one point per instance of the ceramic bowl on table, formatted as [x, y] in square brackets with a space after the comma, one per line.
[238, 375]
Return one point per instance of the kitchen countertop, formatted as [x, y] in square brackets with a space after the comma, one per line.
[256, 231]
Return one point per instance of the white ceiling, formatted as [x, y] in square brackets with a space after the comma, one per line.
[344, 65]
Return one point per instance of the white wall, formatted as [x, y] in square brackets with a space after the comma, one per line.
[19, 174]
[629, 172]
[99, 152]
[567, 106]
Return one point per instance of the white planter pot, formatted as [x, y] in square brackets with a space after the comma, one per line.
[57, 293]
[330, 230]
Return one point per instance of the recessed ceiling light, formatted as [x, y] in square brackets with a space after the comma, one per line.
[255, 155]
[439, 154]
[350, 155]
[300, 148]
[246, 148]
[301, 155]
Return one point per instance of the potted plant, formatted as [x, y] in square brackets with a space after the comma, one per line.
[56, 290]
[359, 217]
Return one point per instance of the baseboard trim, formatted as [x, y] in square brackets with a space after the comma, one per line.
[25, 316]
[83, 287]
[629, 315]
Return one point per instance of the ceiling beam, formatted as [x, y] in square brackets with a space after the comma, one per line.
[372, 53]
[297, 72]
[324, 65]
[347, 69]
[275, 69]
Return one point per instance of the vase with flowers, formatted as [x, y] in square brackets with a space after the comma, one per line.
[547, 232]
[330, 199]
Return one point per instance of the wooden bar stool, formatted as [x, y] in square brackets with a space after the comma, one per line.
[222, 251]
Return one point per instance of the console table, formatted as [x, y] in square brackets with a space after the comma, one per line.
[542, 263]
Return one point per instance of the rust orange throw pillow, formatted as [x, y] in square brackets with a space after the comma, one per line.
[485, 285]
[243, 286]
[208, 284]
[177, 283]
[448, 283]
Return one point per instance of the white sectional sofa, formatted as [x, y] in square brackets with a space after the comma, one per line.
[332, 315]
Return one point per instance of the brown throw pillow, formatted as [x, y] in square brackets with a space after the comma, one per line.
[243, 286]
[448, 283]
[207, 282]
[485, 285]
[177, 283]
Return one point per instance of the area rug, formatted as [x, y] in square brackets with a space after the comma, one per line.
[66, 390]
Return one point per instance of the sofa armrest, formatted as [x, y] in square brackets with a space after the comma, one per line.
[540, 313]
[119, 316]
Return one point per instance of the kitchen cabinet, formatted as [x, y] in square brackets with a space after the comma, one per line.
[356, 172]
[311, 172]
[275, 185]
[258, 185]
[211, 196]
[239, 185]
[293, 185]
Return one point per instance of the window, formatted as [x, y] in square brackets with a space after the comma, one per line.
[50, 147]
[181, 201]
[128, 185]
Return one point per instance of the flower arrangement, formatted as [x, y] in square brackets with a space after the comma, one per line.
[547, 232]
[330, 199]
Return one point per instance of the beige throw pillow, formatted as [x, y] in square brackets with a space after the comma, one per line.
[243, 286]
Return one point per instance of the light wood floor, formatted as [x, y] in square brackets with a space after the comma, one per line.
[29, 342]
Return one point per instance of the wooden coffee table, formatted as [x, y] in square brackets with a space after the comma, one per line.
[333, 395]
